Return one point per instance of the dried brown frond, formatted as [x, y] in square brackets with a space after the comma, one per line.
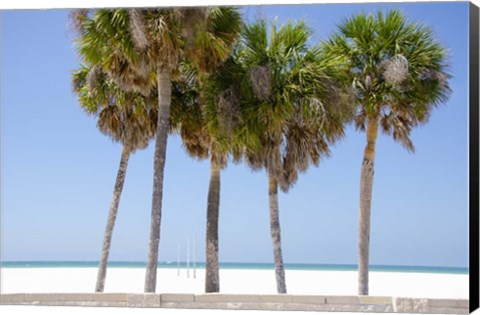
[237, 154]
[76, 20]
[93, 78]
[338, 101]
[255, 160]
[129, 76]
[109, 122]
[118, 70]
[288, 179]
[296, 154]
[305, 145]
[220, 159]
[316, 115]
[133, 126]
[196, 141]
[164, 36]
[194, 18]
[137, 29]
[430, 74]
[229, 110]
[385, 123]
[401, 132]
[399, 126]
[396, 70]
[260, 78]
[140, 80]
[360, 120]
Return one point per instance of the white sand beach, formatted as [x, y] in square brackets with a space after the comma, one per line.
[242, 281]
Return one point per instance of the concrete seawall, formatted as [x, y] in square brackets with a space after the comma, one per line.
[244, 302]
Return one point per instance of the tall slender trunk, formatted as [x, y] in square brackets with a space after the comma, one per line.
[164, 86]
[112, 216]
[212, 281]
[275, 233]
[366, 185]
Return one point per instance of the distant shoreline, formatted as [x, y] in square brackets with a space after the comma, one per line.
[231, 265]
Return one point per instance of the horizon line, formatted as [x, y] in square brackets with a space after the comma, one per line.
[232, 262]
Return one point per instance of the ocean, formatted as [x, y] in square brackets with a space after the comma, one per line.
[232, 265]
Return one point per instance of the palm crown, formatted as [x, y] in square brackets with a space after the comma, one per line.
[139, 40]
[126, 117]
[292, 106]
[396, 69]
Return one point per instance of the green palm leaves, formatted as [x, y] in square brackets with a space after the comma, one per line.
[292, 98]
[396, 68]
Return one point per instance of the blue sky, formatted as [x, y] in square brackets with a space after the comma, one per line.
[58, 171]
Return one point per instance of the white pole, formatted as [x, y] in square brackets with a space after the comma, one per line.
[188, 257]
[194, 258]
[178, 260]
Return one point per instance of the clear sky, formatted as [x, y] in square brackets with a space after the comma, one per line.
[58, 171]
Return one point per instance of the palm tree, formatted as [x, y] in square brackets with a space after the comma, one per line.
[194, 107]
[291, 108]
[398, 72]
[146, 44]
[126, 118]
[220, 120]
[200, 144]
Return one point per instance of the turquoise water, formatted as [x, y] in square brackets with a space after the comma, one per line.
[263, 266]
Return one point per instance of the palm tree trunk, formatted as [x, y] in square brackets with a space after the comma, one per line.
[164, 86]
[112, 216]
[275, 233]
[212, 281]
[366, 185]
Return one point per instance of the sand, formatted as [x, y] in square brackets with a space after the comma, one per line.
[73, 280]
